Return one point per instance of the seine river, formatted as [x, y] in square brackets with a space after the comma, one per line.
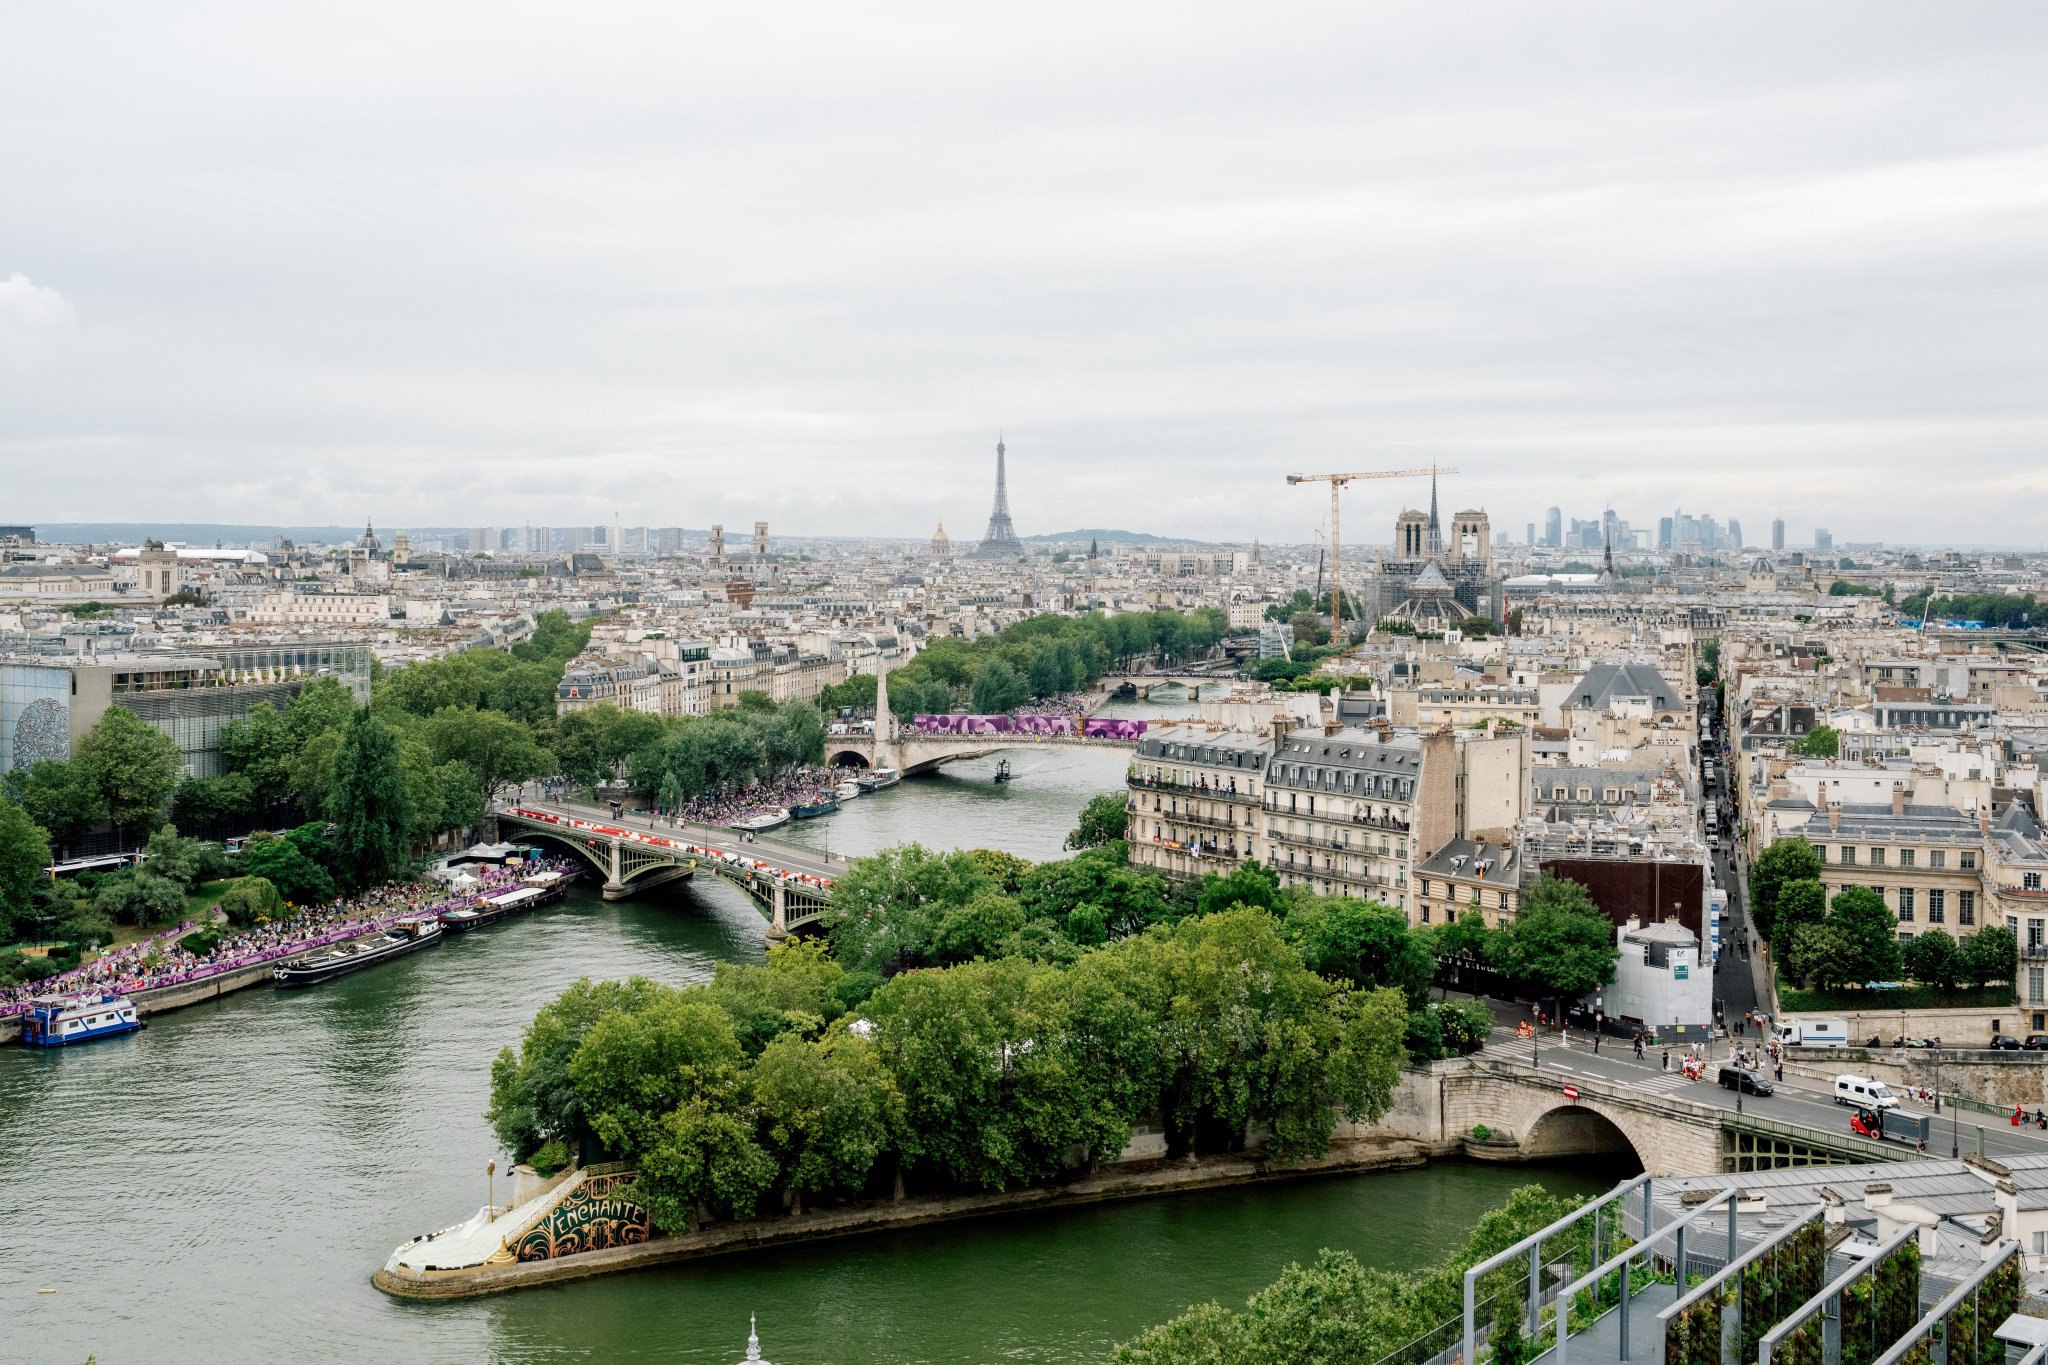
[218, 1188]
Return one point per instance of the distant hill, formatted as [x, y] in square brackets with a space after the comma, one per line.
[1119, 537]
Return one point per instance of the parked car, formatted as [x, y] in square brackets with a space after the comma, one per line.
[1741, 1078]
[2036, 1042]
[1864, 1092]
[2003, 1042]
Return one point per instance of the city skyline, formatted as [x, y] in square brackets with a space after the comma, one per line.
[1683, 268]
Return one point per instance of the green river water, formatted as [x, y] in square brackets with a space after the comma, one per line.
[218, 1188]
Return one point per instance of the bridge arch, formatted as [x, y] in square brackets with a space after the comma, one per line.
[1578, 1130]
[849, 758]
[599, 857]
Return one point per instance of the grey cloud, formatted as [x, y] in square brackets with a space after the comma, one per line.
[693, 263]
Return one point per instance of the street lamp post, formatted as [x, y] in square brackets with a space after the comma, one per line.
[491, 1191]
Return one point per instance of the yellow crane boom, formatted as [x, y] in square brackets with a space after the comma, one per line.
[1337, 482]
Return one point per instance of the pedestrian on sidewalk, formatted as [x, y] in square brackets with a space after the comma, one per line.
[1667, 1058]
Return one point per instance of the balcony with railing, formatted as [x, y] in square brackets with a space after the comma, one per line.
[1204, 790]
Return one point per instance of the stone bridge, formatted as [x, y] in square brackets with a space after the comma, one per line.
[793, 885]
[1534, 1114]
[909, 752]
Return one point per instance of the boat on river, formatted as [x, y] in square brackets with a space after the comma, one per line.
[61, 1020]
[542, 888]
[761, 820]
[407, 937]
[847, 790]
[825, 803]
[1002, 770]
[878, 779]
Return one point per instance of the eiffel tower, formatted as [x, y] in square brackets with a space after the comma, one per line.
[1000, 540]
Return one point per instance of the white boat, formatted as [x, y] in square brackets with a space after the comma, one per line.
[848, 789]
[878, 779]
[760, 820]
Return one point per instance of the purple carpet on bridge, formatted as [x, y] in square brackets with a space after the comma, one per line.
[1090, 728]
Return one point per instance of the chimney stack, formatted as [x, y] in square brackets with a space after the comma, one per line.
[1834, 816]
[1898, 798]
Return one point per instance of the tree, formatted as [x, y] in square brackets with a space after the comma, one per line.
[24, 853]
[978, 929]
[1249, 883]
[708, 1157]
[885, 911]
[1465, 938]
[1790, 859]
[1825, 955]
[1559, 941]
[369, 803]
[176, 858]
[251, 900]
[1822, 741]
[141, 899]
[533, 1098]
[1871, 932]
[1103, 820]
[636, 1065]
[298, 877]
[494, 747]
[206, 803]
[259, 748]
[1096, 895]
[998, 690]
[830, 1110]
[1362, 942]
[61, 798]
[1932, 959]
[1991, 954]
[1800, 903]
[132, 765]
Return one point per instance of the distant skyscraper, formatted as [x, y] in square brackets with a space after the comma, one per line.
[1667, 534]
[1000, 540]
[1553, 528]
[1823, 539]
[1734, 534]
[1532, 533]
[1778, 534]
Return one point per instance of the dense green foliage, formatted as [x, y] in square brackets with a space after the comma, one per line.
[1337, 1309]
[1787, 860]
[671, 759]
[1036, 658]
[24, 853]
[1857, 941]
[760, 1086]
[2004, 610]
[1104, 820]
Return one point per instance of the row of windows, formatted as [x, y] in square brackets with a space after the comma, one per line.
[1934, 903]
[1937, 858]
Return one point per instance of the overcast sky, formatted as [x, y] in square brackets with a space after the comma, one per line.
[504, 263]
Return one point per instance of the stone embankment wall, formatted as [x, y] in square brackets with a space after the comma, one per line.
[1965, 1028]
[1127, 1181]
[1996, 1078]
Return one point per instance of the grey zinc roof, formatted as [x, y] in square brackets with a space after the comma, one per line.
[1604, 682]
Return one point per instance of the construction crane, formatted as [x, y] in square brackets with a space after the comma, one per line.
[1337, 482]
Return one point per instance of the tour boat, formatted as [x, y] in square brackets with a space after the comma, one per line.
[760, 820]
[553, 885]
[60, 1020]
[825, 803]
[878, 779]
[491, 909]
[328, 963]
[847, 790]
[1002, 770]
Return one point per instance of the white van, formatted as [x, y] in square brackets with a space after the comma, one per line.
[1864, 1093]
[1813, 1033]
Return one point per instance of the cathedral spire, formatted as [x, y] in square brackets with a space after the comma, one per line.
[1435, 542]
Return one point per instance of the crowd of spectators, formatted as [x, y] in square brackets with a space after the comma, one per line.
[162, 959]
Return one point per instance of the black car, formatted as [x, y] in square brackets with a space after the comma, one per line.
[1741, 1078]
[2003, 1042]
[2036, 1042]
